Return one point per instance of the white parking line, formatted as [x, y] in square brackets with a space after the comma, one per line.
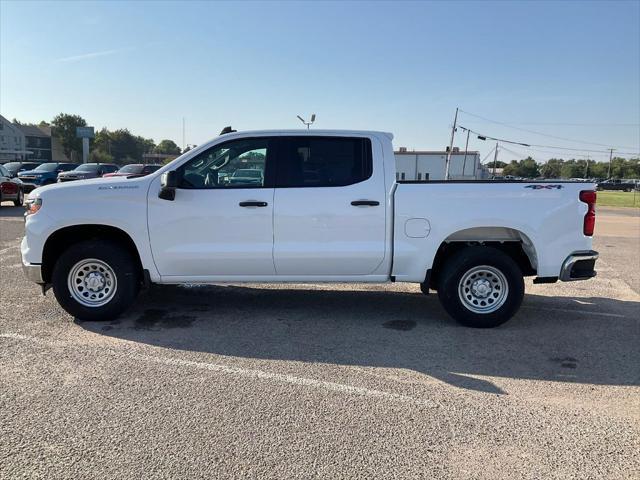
[239, 372]
[569, 310]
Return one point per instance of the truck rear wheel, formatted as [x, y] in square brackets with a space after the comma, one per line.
[481, 287]
[95, 280]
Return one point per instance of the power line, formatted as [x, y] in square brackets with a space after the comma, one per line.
[540, 133]
[529, 145]
[563, 124]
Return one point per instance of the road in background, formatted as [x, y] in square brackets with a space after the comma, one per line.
[332, 381]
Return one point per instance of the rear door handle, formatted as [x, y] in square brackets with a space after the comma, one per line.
[365, 203]
[253, 203]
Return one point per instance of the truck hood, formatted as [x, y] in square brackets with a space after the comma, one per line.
[91, 187]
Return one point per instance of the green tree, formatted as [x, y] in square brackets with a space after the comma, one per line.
[168, 147]
[522, 168]
[499, 164]
[100, 156]
[551, 169]
[64, 128]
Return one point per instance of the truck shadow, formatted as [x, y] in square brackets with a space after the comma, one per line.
[586, 340]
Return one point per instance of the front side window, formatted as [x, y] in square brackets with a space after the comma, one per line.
[234, 164]
[325, 162]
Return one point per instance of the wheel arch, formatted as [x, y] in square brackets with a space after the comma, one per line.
[66, 236]
[515, 243]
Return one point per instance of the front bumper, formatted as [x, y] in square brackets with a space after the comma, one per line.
[33, 272]
[579, 266]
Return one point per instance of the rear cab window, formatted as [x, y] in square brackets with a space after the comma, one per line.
[324, 161]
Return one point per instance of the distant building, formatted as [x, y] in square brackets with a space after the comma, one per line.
[41, 145]
[12, 142]
[38, 142]
[431, 165]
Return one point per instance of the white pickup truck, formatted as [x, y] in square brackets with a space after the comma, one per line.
[305, 206]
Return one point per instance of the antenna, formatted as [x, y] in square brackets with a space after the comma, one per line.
[313, 119]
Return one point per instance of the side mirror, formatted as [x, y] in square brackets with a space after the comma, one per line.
[168, 183]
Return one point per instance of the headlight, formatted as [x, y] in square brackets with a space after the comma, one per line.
[33, 205]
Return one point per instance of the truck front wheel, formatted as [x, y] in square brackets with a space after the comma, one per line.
[95, 280]
[481, 287]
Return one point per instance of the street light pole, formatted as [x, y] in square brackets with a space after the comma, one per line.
[453, 131]
[495, 160]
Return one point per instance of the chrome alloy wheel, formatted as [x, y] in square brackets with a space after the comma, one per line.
[483, 289]
[92, 282]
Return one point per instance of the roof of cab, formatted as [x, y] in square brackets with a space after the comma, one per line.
[310, 132]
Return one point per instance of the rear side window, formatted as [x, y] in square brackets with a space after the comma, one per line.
[324, 162]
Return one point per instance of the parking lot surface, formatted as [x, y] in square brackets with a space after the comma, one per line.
[324, 381]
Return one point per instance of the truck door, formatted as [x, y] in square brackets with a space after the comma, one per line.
[221, 220]
[329, 216]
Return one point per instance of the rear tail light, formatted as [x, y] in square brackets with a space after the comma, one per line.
[589, 197]
[8, 188]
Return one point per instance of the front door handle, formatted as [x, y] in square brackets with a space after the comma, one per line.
[365, 203]
[253, 203]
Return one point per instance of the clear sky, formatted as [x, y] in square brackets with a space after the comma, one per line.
[567, 69]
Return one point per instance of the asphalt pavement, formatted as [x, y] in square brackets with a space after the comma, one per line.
[324, 381]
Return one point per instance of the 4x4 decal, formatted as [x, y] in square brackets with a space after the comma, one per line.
[547, 187]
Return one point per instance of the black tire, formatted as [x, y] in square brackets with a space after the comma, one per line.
[18, 202]
[123, 265]
[460, 265]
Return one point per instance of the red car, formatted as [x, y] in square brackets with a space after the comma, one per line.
[133, 170]
[10, 188]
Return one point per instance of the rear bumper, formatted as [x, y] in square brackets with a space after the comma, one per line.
[579, 266]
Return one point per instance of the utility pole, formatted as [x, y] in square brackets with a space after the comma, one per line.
[453, 131]
[495, 160]
[586, 170]
[466, 147]
[610, 159]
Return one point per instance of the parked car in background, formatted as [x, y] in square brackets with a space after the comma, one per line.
[10, 188]
[617, 184]
[247, 176]
[134, 170]
[16, 167]
[44, 174]
[87, 170]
